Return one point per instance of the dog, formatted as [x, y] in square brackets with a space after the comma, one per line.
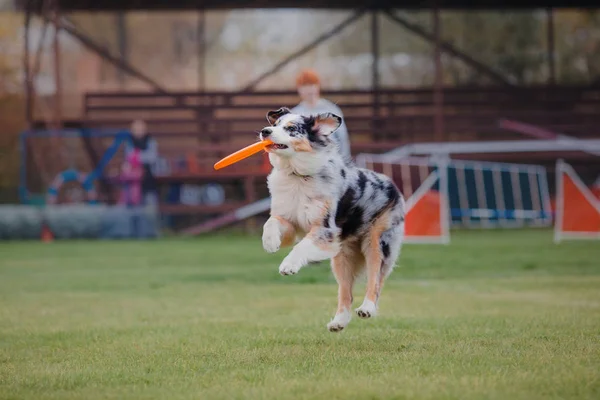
[350, 215]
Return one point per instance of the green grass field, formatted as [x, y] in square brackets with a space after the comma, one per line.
[495, 315]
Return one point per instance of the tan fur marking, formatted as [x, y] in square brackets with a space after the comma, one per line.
[343, 271]
[374, 258]
[301, 145]
[288, 232]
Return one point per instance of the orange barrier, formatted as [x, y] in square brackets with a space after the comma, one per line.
[577, 208]
[424, 219]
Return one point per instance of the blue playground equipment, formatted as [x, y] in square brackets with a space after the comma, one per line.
[72, 175]
[69, 175]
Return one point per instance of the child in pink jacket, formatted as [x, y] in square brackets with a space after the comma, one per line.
[131, 179]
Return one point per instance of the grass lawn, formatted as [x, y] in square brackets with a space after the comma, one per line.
[495, 315]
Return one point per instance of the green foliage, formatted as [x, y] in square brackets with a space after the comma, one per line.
[495, 315]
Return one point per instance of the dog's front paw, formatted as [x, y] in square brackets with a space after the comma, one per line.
[288, 267]
[368, 309]
[271, 237]
[271, 241]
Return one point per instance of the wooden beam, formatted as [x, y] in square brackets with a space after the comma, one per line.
[448, 48]
[322, 38]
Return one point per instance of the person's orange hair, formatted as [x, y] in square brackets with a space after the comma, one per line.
[307, 77]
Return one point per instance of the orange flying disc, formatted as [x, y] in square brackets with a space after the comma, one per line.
[243, 153]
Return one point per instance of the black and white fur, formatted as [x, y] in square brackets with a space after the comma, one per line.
[353, 216]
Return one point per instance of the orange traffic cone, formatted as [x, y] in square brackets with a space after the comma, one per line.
[47, 235]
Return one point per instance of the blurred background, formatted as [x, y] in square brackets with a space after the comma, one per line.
[112, 114]
[202, 75]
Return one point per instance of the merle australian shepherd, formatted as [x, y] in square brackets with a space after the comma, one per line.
[353, 216]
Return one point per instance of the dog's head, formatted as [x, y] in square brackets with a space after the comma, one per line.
[294, 134]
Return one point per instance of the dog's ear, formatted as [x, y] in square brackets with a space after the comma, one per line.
[327, 123]
[273, 116]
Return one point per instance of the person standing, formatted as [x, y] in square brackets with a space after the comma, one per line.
[146, 146]
[308, 85]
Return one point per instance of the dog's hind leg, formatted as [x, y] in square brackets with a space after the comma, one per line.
[345, 266]
[381, 249]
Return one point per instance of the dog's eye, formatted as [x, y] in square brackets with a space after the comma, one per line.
[291, 129]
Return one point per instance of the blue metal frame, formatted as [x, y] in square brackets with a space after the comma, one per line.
[119, 135]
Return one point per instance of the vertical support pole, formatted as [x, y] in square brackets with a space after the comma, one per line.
[27, 70]
[58, 117]
[375, 71]
[204, 110]
[445, 198]
[550, 33]
[558, 219]
[200, 36]
[545, 193]
[123, 48]
[438, 94]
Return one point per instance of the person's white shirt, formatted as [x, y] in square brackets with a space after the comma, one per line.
[323, 106]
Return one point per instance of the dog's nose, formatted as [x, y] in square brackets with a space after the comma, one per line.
[266, 132]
